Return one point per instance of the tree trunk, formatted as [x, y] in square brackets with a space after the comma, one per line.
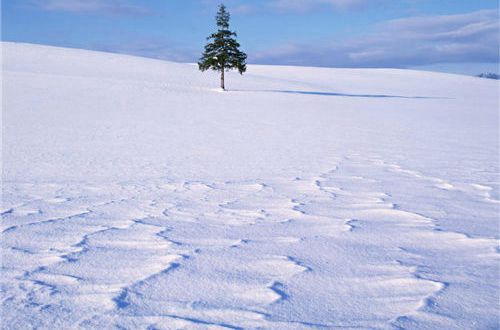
[222, 80]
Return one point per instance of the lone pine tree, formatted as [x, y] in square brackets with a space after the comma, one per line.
[222, 53]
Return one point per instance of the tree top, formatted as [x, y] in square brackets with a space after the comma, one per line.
[223, 17]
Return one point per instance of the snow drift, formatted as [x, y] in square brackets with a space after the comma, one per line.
[136, 195]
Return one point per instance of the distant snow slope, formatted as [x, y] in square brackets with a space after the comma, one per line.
[136, 195]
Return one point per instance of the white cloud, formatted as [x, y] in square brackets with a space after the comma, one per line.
[471, 37]
[162, 49]
[306, 5]
[286, 6]
[114, 7]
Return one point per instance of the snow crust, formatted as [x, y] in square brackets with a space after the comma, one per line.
[137, 196]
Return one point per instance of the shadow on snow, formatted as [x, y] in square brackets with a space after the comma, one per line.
[339, 94]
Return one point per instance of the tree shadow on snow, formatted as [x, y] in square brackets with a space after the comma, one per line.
[342, 94]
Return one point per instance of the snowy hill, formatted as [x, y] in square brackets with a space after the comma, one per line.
[136, 195]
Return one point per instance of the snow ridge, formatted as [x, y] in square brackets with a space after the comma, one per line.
[258, 271]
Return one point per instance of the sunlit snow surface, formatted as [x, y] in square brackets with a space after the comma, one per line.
[137, 196]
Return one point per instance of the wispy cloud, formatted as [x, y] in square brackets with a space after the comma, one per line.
[471, 37]
[153, 48]
[110, 7]
[289, 6]
[307, 5]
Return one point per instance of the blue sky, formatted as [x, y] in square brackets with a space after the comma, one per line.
[443, 35]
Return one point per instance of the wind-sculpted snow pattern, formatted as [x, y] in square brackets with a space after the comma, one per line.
[137, 197]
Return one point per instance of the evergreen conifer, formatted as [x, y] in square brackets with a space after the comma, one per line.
[222, 53]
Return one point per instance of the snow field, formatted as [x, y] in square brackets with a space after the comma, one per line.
[134, 196]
